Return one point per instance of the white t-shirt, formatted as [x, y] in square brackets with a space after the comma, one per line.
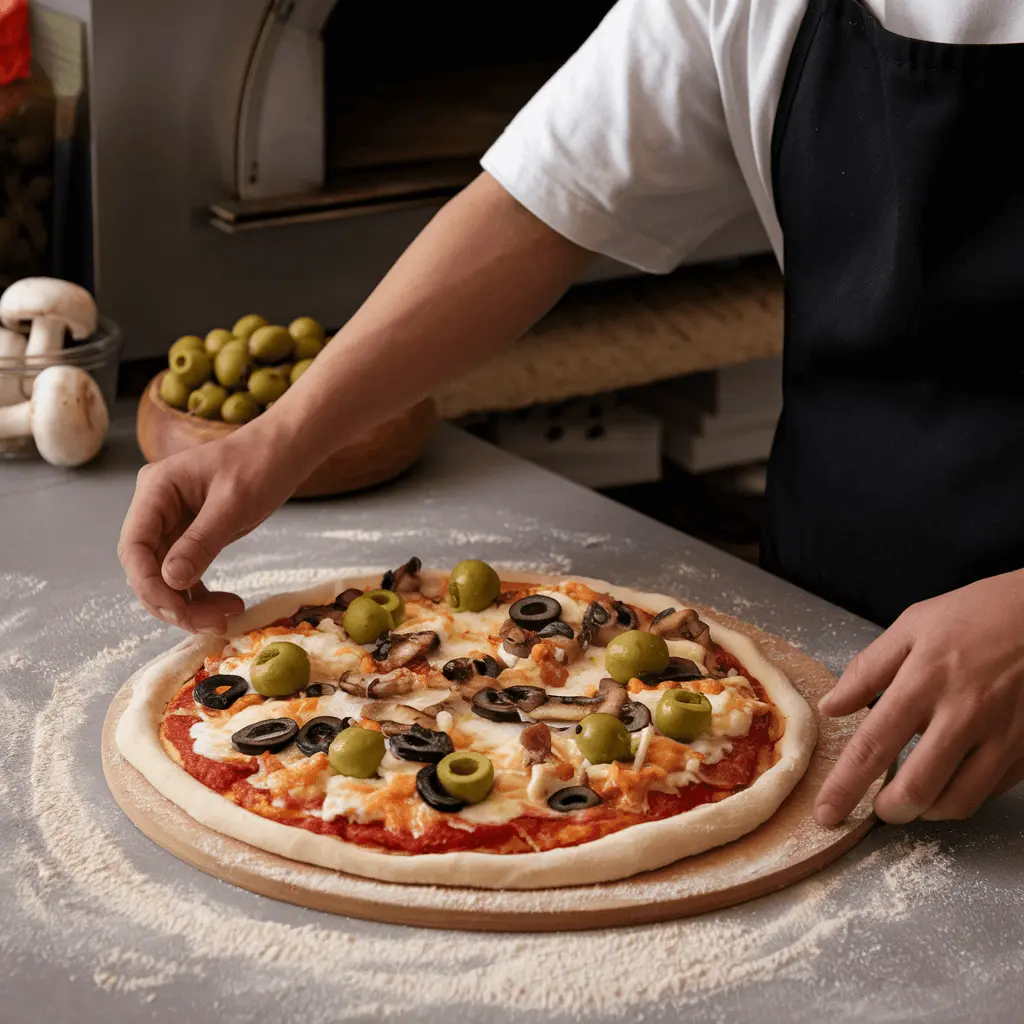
[656, 135]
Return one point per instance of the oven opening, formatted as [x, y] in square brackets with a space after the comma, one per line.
[412, 96]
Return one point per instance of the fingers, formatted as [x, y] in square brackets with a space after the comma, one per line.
[139, 550]
[869, 673]
[207, 611]
[874, 746]
[926, 772]
[1011, 778]
[212, 529]
[980, 774]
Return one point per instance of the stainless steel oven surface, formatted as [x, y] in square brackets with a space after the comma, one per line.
[277, 156]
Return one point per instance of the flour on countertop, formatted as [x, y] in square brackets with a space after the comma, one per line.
[79, 896]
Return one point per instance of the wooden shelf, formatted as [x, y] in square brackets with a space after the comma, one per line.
[625, 333]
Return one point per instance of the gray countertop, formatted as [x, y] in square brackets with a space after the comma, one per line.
[98, 924]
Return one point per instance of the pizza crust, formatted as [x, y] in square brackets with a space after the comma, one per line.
[632, 850]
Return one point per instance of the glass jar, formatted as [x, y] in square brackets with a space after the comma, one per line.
[98, 356]
[27, 132]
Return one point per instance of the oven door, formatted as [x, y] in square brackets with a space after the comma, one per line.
[277, 157]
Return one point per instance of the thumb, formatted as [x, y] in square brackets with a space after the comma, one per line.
[190, 556]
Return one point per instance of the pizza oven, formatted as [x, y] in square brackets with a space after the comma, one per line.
[278, 156]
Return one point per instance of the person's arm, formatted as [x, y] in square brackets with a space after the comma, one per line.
[481, 272]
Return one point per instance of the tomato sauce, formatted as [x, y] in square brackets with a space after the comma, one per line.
[521, 835]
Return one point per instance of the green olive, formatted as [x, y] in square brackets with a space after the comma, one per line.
[192, 365]
[217, 339]
[365, 620]
[633, 652]
[307, 348]
[174, 391]
[307, 327]
[356, 752]
[391, 602]
[270, 344]
[473, 586]
[602, 739]
[239, 408]
[267, 384]
[206, 402]
[188, 342]
[466, 775]
[232, 363]
[280, 669]
[247, 324]
[299, 369]
[683, 714]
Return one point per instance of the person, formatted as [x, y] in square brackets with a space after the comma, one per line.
[877, 144]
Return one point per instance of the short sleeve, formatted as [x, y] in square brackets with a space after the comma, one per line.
[625, 151]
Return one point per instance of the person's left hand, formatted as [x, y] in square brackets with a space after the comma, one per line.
[952, 669]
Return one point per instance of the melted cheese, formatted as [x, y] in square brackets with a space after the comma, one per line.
[658, 763]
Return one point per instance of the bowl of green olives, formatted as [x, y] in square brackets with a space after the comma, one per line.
[214, 385]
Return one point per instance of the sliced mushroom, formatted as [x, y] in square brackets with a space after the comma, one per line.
[445, 704]
[566, 709]
[386, 711]
[335, 611]
[683, 624]
[516, 641]
[396, 650]
[614, 697]
[352, 688]
[571, 648]
[393, 684]
[602, 623]
[536, 739]
[403, 580]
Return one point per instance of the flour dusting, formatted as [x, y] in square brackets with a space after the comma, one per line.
[86, 891]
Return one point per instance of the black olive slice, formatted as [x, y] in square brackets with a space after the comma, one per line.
[535, 611]
[488, 666]
[556, 629]
[267, 736]
[635, 716]
[433, 793]
[458, 670]
[218, 693]
[526, 698]
[318, 734]
[320, 690]
[494, 705]
[663, 614]
[596, 614]
[624, 615]
[573, 798]
[679, 670]
[419, 744]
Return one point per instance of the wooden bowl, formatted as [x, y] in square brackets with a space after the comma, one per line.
[371, 458]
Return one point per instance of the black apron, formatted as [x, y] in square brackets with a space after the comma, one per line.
[897, 471]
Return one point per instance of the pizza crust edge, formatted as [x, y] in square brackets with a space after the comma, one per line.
[627, 852]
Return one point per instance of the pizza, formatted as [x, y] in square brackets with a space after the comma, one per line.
[472, 729]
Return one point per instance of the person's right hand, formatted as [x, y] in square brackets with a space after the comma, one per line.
[187, 508]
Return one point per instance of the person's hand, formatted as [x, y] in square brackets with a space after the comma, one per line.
[952, 669]
[187, 508]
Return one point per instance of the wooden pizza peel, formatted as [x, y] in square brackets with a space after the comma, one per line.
[787, 848]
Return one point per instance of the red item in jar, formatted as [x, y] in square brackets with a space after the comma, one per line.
[15, 44]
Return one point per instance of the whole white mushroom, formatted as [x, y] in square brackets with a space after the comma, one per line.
[12, 351]
[47, 307]
[66, 416]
